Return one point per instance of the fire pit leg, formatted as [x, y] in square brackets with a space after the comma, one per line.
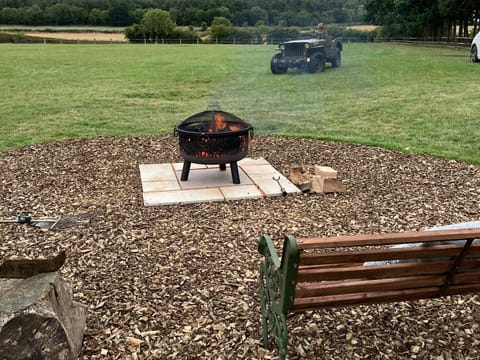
[223, 167]
[185, 170]
[235, 174]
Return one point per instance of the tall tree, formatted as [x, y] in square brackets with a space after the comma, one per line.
[157, 24]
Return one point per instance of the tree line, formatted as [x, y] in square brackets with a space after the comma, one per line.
[183, 12]
[424, 18]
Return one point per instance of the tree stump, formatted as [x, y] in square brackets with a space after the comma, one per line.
[39, 320]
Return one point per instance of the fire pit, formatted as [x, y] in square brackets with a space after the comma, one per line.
[213, 137]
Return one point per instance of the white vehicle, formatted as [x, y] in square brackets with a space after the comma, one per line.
[474, 49]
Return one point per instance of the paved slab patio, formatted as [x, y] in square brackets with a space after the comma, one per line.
[161, 183]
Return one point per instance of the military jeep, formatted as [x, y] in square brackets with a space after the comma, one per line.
[308, 54]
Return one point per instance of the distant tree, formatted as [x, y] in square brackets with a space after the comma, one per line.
[119, 13]
[221, 11]
[423, 18]
[98, 17]
[221, 21]
[251, 16]
[10, 15]
[221, 28]
[137, 15]
[191, 16]
[64, 14]
[135, 33]
[34, 15]
[158, 24]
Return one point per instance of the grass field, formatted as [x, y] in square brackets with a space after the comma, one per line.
[405, 98]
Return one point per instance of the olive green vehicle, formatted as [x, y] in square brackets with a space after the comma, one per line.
[307, 54]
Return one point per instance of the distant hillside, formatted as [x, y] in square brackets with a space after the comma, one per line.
[184, 12]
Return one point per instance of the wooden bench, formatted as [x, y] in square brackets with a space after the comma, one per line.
[315, 273]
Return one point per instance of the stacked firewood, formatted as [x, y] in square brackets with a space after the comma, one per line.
[323, 180]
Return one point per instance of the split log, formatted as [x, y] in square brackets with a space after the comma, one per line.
[324, 180]
[327, 185]
[39, 320]
[300, 177]
[326, 172]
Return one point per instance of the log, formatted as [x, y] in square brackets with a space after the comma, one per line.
[327, 185]
[300, 177]
[24, 268]
[39, 319]
[325, 172]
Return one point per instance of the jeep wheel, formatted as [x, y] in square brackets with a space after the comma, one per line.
[337, 60]
[316, 64]
[474, 54]
[276, 67]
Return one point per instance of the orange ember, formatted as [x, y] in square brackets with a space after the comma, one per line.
[220, 123]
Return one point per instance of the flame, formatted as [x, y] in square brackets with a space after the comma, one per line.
[220, 123]
[235, 127]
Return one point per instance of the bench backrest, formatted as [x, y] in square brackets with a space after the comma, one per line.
[367, 269]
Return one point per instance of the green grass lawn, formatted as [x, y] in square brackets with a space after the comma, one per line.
[405, 98]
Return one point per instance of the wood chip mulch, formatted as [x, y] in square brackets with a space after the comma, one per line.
[180, 281]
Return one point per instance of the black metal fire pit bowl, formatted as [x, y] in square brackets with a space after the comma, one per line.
[213, 137]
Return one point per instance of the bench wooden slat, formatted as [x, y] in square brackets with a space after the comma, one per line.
[379, 297]
[384, 254]
[372, 297]
[387, 239]
[469, 264]
[327, 288]
[314, 274]
[471, 276]
[354, 286]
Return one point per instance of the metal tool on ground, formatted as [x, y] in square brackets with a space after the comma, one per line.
[21, 219]
[61, 223]
[27, 219]
[282, 189]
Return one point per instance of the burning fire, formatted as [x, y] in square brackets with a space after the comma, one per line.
[219, 124]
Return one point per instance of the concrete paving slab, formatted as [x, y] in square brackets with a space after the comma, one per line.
[182, 197]
[157, 172]
[260, 170]
[252, 161]
[270, 187]
[211, 178]
[241, 192]
[155, 186]
[161, 183]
